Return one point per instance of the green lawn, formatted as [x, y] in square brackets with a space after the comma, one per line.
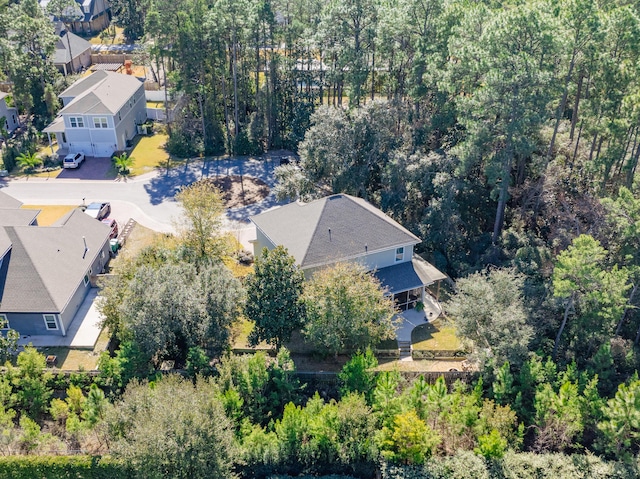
[436, 336]
[119, 38]
[74, 359]
[148, 153]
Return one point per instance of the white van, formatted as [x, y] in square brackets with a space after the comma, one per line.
[73, 160]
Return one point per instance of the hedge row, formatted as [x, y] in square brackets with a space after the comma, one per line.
[62, 467]
[466, 465]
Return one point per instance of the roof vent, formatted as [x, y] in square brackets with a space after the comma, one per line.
[329, 234]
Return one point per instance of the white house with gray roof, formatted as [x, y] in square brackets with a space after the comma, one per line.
[341, 228]
[45, 271]
[101, 113]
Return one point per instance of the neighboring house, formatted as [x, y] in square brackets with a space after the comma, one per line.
[45, 271]
[100, 116]
[70, 45]
[10, 114]
[341, 228]
[95, 17]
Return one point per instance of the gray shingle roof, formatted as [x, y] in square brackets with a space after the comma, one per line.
[17, 217]
[7, 201]
[78, 47]
[331, 229]
[408, 275]
[47, 264]
[99, 93]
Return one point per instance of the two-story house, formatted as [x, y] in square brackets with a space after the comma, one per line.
[341, 228]
[101, 114]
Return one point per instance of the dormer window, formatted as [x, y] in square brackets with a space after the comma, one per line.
[399, 254]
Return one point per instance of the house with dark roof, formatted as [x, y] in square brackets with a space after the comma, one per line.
[340, 228]
[94, 15]
[72, 53]
[100, 116]
[45, 271]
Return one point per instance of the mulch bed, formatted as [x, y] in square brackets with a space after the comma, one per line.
[240, 190]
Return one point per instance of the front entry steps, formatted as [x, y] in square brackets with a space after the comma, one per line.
[405, 350]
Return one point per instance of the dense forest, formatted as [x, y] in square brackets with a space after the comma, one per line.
[504, 134]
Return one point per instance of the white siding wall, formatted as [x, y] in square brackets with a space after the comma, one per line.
[130, 116]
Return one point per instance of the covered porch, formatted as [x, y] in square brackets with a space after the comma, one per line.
[57, 143]
[407, 283]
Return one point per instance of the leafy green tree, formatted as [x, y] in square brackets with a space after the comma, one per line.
[201, 224]
[357, 375]
[8, 341]
[489, 310]
[346, 309]
[409, 441]
[31, 389]
[274, 293]
[621, 425]
[504, 92]
[596, 295]
[168, 309]
[130, 15]
[172, 428]
[256, 387]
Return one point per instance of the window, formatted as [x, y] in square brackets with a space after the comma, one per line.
[64, 137]
[86, 279]
[4, 322]
[399, 254]
[76, 122]
[408, 299]
[100, 122]
[50, 321]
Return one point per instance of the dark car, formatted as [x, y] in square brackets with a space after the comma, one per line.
[98, 210]
[113, 224]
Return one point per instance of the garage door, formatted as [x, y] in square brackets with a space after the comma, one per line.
[80, 147]
[103, 150]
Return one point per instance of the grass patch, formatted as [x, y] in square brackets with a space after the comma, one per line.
[71, 359]
[49, 214]
[436, 336]
[117, 40]
[148, 153]
[139, 238]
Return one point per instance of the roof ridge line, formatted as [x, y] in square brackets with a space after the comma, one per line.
[306, 251]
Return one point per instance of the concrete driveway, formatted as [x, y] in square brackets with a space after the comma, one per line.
[91, 169]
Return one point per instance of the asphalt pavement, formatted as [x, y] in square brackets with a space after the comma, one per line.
[150, 198]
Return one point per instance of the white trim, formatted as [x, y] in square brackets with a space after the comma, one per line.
[87, 278]
[55, 320]
[399, 252]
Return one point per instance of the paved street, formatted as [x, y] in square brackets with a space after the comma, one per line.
[150, 198]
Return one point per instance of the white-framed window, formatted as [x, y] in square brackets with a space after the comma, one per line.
[76, 121]
[86, 278]
[4, 322]
[399, 254]
[50, 321]
[100, 122]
